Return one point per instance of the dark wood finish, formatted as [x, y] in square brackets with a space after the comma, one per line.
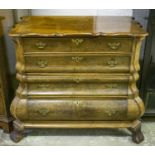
[137, 135]
[18, 133]
[77, 72]
[5, 88]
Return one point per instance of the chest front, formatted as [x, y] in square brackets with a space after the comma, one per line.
[77, 72]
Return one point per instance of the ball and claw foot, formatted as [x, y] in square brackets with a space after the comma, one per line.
[137, 135]
[18, 133]
[16, 136]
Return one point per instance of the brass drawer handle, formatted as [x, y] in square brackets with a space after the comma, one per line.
[114, 45]
[112, 62]
[42, 86]
[111, 86]
[77, 41]
[43, 112]
[77, 80]
[42, 63]
[40, 45]
[77, 59]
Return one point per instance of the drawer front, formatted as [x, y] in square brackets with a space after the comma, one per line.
[77, 87]
[80, 44]
[77, 109]
[77, 63]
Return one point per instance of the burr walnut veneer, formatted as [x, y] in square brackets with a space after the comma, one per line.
[77, 72]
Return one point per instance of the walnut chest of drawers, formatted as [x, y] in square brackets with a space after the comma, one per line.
[77, 72]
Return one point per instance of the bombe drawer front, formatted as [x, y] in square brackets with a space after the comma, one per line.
[77, 63]
[78, 44]
[77, 109]
[78, 88]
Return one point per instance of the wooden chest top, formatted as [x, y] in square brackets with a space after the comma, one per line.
[49, 26]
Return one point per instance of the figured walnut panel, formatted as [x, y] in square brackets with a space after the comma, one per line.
[77, 109]
[78, 25]
[77, 63]
[78, 44]
[77, 68]
[77, 88]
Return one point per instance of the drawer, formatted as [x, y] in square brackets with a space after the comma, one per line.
[78, 87]
[77, 109]
[80, 44]
[76, 63]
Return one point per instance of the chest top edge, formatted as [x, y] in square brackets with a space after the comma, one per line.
[53, 26]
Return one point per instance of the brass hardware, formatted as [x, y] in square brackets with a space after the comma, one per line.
[40, 45]
[111, 86]
[42, 86]
[77, 59]
[114, 45]
[43, 111]
[76, 102]
[95, 102]
[112, 62]
[77, 41]
[42, 63]
[77, 80]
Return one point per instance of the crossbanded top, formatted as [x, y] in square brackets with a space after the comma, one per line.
[77, 25]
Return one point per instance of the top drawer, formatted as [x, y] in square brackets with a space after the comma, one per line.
[79, 44]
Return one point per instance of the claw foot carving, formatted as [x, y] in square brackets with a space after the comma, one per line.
[16, 136]
[18, 133]
[137, 135]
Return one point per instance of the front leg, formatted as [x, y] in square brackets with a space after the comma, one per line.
[18, 133]
[137, 135]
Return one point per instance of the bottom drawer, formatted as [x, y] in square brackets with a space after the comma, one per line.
[76, 109]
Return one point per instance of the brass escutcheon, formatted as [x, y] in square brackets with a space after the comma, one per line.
[114, 45]
[76, 102]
